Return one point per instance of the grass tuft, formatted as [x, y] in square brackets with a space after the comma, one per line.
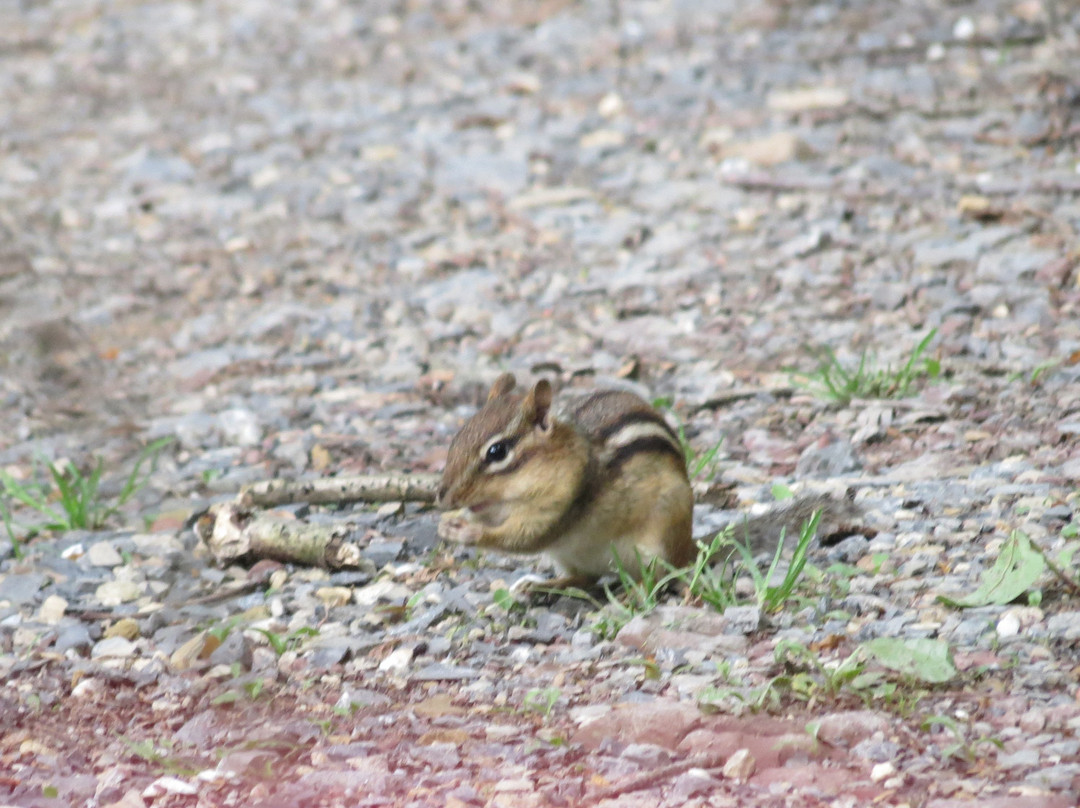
[709, 579]
[836, 381]
[68, 498]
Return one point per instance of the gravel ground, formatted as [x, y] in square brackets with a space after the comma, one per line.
[300, 238]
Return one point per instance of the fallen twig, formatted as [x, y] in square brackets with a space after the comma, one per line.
[395, 488]
[237, 530]
[723, 398]
[328, 490]
[761, 181]
[1059, 573]
[225, 593]
[711, 763]
[232, 532]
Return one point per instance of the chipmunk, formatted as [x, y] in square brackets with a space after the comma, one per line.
[585, 480]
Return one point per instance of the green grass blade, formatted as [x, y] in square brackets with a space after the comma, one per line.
[776, 596]
[9, 527]
[67, 486]
[95, 511]
[22, 493]
[134, 484]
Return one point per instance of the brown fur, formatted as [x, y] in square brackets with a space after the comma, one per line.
[602, 475]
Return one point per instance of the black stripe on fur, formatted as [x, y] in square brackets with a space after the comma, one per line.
[649, 445]
[638, 417]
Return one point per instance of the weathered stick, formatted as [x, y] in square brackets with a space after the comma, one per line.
[236, 530]
[723, 398]
[710, 762]
[232, 532]
[396, 488]
[327, 490]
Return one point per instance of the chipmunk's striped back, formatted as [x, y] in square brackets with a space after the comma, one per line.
[620, 425]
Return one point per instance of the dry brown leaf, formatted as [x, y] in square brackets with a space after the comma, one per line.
[454, 736]
[437, 706]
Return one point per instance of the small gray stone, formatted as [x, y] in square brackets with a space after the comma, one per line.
[22, 588]
[583, 639]
[646, 755]
[383, 590]
[1022, 758]
[361, 698]
[383, 551]
[115, 647]
[968, 631]
[193, 430]
[1010, 267]
[72, 637]
[444, 673]
[876, 750]
[742, 619]
[940, 253]
[147, 167]
[850, 728]
[1055, 779]
[422, 620]
[832, 460]
[235, 649]
[350, 578]
[1031, 126]
[437, 646]
[692, 784]
[549, 625]
[156, 544]
[1064, 625]
[1071, 469]
[332, 651]
[239, 427]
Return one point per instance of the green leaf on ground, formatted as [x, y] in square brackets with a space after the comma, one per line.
[781, 492]
[1017, 568]
[924, 659]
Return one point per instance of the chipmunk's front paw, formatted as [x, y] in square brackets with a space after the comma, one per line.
[456, 526]
[526, 585]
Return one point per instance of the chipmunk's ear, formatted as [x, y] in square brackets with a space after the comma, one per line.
[503, 386]
[537, 405]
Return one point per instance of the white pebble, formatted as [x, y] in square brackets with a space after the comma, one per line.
[169, 785]
[52, 610]
[239, 427]
[882, 771]
[964, 28]
[104, 554]
[610, 105]
[113, 647]
[73, 552]
[397, 661]
[1008, 625]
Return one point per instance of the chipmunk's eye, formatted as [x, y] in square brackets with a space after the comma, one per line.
[497, 451]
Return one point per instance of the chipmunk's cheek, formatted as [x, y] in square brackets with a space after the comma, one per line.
[491, 514]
